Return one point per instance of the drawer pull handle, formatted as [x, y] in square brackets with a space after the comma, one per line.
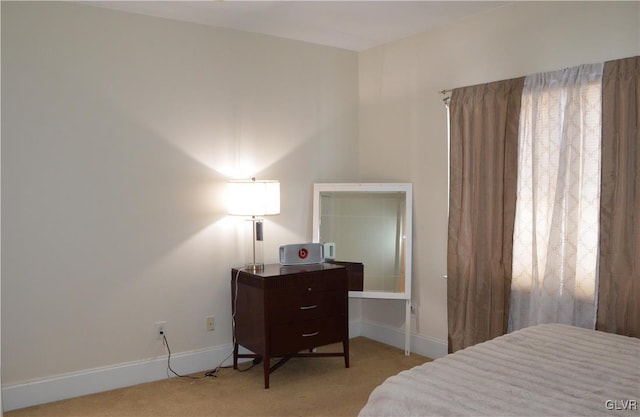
[308, 307]
[310, 334]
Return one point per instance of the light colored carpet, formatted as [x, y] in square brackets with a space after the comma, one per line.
[301, 387]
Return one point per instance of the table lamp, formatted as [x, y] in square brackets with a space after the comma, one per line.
[254, 199]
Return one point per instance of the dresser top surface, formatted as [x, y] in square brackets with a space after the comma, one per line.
[277, 270]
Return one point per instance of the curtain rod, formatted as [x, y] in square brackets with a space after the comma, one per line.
[447, 98]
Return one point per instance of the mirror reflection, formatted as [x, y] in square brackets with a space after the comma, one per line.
[371, 224]
[368, 228]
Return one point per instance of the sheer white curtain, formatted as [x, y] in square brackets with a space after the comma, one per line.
[558, 198]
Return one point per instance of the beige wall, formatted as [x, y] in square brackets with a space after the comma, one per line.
[118, 134]
[402, 124]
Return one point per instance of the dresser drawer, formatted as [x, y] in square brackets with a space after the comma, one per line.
[294, 337]
[291, 306]
[310, 282]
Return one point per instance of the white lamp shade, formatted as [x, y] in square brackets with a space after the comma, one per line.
[254, 198]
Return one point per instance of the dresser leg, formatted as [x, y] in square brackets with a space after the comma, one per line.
[235, 356]
[266, 367]
[345, 349]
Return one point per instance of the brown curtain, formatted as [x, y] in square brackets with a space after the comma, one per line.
[619, 265]
[484, 150]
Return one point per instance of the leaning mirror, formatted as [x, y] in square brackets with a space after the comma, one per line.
[369, 223]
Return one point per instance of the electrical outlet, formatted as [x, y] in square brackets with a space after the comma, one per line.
[211, 324]
[161, 328]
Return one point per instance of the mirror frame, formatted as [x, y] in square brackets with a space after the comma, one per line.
[372, 188]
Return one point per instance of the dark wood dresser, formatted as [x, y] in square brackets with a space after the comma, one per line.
[286, 311]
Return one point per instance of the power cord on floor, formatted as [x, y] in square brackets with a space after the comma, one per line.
[209, 374]
[214, 373]
[166, 344]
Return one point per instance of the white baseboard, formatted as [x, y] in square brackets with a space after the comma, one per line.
[111, 377]
[355, 329]
[394, 336]
[123, 375]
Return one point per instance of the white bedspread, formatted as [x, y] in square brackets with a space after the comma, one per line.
[546, 370]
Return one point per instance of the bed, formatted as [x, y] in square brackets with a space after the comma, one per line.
[545, 370]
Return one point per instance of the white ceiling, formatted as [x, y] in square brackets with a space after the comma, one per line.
[353, 25]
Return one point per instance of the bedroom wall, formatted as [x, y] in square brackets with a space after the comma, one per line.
[119, 132]
[403, 134]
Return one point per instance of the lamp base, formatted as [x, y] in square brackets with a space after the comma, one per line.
[254, 267]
